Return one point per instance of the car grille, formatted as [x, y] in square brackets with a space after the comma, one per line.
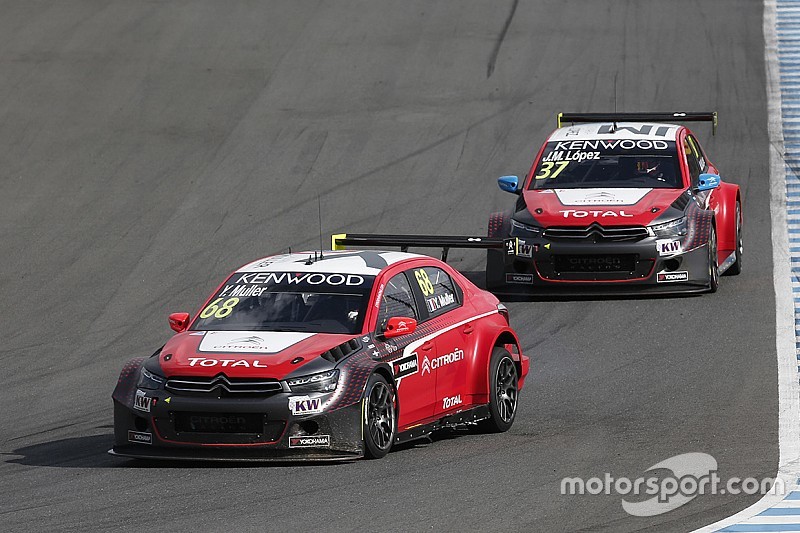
[192, 422]
[223, 386]
[596, 233]
[594, 263]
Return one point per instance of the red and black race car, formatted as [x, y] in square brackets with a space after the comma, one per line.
[619, 202]
[323, 356]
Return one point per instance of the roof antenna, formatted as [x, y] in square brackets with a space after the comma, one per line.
[614, 123]
[319, 214]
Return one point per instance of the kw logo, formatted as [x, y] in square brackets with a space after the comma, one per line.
[303, 405]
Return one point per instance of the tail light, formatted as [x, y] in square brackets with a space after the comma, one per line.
[503, 310]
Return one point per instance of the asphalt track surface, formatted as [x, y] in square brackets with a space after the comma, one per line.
[147, 148]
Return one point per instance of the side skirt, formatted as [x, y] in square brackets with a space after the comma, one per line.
[470, 416]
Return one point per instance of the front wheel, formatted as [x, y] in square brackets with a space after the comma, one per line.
[503, 392]
[380, 417]
[499, 226]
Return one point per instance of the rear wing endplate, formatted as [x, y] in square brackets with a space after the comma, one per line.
[404, 242]
[708, 116]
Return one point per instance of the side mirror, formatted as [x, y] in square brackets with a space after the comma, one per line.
[179, 322]
[707, 182]
[509, 184]
[399, 325]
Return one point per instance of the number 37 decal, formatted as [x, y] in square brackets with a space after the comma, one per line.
[547, 169]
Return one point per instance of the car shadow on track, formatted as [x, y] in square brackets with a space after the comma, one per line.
[570, 295]
[75, 452]
[436, 436]
[92, 452]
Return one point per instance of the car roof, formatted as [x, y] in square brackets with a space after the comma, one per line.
[623, 130]
[364, 262]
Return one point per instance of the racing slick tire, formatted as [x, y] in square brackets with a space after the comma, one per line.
[499, 226]
[503, 392]
[713, 262]
[736, 268]
[380, 417]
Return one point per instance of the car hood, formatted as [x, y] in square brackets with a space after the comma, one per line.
[248, 354]
[607, 207]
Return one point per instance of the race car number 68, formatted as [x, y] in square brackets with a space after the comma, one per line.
[424, 281]
[217, 311]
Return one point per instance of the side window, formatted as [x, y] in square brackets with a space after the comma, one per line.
[437, 290]
[701, 158]
[397, 300]
[691, 161]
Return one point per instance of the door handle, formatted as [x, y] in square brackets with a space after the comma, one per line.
[469, 328]
[427, 346]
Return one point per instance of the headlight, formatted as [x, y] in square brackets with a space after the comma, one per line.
[322, 382]
[673, 228]
[528, 231]
[148, 380]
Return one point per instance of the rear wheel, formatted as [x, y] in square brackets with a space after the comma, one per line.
[380, 417]
[713, 267]
[503, 392]
[736, 268]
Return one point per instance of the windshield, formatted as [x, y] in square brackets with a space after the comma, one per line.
[288, 301]
[608, 163]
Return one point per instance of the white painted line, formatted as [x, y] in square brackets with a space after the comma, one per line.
[788, 504]
[785, 339]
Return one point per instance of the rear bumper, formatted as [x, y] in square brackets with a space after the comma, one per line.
[539, 266]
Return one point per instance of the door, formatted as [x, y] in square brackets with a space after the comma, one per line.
[448, 365]
[415, 390]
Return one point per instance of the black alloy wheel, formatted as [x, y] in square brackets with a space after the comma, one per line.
[380, 417]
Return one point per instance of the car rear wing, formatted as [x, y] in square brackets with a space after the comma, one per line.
[708, 116]
[404, 242]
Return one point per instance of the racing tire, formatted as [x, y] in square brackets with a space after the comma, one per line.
[503, 392]
[736, 268]
[380, 417]
[713, 266]
[499, 226]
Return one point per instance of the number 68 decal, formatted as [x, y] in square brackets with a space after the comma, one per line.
[424, 282]
[219, 311]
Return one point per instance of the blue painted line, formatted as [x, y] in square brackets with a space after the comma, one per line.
[794, 495]
[786, 511]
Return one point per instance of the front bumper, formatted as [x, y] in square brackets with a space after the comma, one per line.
[624, 267]
[262, 429]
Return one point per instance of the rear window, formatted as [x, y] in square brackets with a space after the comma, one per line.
[601, 163]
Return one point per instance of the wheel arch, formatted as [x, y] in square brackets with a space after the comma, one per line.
[725, 218]
[503, 337]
